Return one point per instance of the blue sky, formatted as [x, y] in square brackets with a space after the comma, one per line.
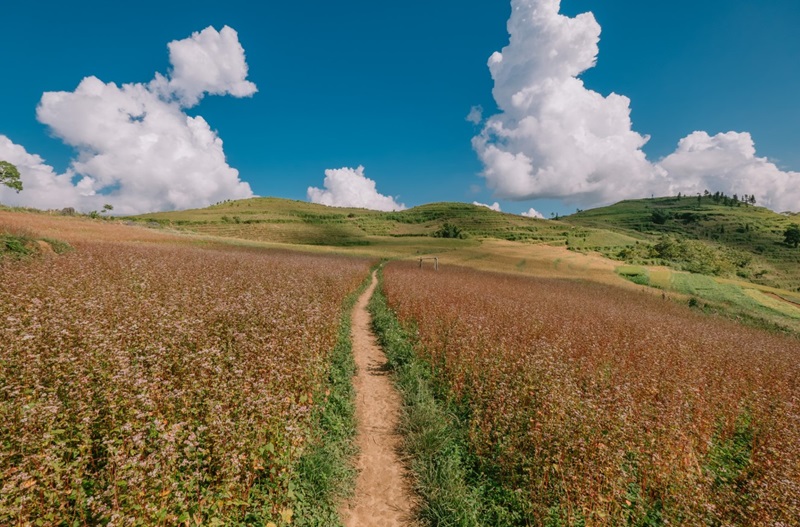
[715, 65]
[387, 85]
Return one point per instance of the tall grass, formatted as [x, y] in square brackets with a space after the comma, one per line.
[599, 406]
[163, 385]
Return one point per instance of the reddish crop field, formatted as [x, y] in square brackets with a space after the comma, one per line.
[154, 384]
[604, 407]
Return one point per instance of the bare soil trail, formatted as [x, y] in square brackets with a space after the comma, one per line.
[383, 496]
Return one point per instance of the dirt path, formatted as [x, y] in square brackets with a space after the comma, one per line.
[383, 495]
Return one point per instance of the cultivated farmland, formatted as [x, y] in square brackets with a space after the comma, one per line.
[156, 384]
[591, 405]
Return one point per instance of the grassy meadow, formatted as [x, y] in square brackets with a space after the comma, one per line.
[740, 247]
[192, 367]
[296, 222]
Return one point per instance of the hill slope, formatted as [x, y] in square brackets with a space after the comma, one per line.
[712, 237]
[285, 221]
[755, 233]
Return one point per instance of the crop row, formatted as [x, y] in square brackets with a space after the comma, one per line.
[161, 385]
[598, 406]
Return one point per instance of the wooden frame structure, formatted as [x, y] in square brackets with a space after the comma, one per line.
[435, 261]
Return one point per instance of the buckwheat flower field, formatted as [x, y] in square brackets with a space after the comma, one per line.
[156, 384]
[603, 407]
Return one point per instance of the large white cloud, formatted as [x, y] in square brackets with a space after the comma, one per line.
[554, 138]
[728, 162]
[348, 187]
[207, 62]
[137, 149]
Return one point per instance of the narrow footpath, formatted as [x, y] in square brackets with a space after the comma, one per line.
[383, 496]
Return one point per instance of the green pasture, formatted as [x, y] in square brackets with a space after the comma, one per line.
[757, 304]
[743, 240]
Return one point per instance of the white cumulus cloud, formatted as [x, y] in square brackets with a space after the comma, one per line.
[209, 62]
[555, 138]
[137, 149]
[533, 213]
[728, 162]
[43, 188]
[348, 187]
[494, 206]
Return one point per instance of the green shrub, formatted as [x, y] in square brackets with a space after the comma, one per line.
[637, 275]
[450, 230]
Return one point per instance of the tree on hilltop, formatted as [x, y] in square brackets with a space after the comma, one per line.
[9, 176]
[792, 235]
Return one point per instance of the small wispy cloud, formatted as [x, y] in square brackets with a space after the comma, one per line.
[349, 187]
[494, 206]
[475, 115]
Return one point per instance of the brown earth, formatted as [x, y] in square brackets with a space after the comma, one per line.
[383, 496]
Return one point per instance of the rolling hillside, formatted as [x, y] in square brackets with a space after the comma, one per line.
[285, 221]
[713, 236]
[755, 233]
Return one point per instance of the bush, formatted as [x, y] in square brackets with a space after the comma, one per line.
[660, 217]
[688, 255]
[15, 245]
[450, 230]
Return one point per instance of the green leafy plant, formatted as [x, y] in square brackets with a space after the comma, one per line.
[9, 176]
[450, 230]
[791, 235]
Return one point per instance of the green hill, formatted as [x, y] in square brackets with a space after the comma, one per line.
[286, 221]
[707, 235]
[749, 239]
